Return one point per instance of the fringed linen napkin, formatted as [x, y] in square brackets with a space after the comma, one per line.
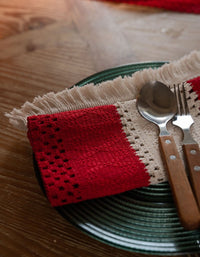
[90, 142]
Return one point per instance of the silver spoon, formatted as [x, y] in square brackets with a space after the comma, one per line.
[157, 104]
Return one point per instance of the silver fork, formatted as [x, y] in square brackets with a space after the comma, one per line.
[184, 120]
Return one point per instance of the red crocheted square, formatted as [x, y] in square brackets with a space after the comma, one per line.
[84, 154]
[188, 6]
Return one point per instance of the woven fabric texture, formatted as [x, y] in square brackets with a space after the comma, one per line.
[188, 6]
[84, 154]
[94, 152]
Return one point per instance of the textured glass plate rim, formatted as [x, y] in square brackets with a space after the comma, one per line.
[105, 75]
[124, 70]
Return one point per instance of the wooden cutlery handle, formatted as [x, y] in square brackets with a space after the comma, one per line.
[183, 196]
[192, 154]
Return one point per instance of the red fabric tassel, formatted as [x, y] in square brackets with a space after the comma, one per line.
[188, 6]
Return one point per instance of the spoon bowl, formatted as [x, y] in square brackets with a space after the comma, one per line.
[157, 104]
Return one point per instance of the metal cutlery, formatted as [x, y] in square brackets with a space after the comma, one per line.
[157, 104]
[184, 120]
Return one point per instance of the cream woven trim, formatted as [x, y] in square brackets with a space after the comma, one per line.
[109, 92]
[143, 135]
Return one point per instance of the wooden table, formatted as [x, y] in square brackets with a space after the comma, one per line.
[47, 45]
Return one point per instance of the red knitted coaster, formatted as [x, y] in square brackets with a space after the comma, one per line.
[189, 6]
[84, 154]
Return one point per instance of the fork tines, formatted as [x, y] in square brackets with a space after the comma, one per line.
[181, 99]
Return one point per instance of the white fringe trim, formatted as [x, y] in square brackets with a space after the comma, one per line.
[109, 92]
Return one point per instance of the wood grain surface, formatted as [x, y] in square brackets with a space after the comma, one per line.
[47, 45]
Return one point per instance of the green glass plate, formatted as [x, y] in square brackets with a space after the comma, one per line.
[142, 220]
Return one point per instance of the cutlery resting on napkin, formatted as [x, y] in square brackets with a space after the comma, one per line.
[94, 152]
[158, 104]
